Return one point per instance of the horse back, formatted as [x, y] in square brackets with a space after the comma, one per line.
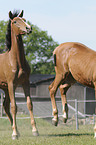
[77, 59]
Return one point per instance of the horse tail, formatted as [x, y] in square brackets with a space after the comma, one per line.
[55, 59]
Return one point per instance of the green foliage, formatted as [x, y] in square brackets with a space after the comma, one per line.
[3, 27]
[38, 49]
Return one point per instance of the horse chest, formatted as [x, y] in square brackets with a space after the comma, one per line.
[21, 76]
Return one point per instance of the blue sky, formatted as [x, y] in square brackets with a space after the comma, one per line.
[64, 20]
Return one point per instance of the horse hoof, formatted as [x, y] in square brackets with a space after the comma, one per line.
[14, 137]
[54, 122]
[35, 133]
[64, 120]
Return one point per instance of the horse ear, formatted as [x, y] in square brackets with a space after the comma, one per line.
[10, 15]
[21, 14]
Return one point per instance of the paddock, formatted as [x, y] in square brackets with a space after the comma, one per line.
[79, 125]
[48, 134]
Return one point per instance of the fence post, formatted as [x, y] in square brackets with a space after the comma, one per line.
[93, 118]
[1, 104]
[76, 114]
[84, 100]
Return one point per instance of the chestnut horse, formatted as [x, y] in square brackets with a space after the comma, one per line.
[15, 70]
[73, 62]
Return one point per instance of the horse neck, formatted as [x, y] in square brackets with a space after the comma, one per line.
[18, 48]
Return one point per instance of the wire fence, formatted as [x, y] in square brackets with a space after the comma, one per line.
[44, 110]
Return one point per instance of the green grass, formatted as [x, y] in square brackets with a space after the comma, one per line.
[48, 134]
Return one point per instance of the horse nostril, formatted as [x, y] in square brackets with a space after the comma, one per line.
[30, 31]
[26, 27]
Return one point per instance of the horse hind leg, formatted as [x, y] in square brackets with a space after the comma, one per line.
[50, 86]
[52, 89]
[63, 90]
[33, 123]
[6, 105]
[26, 88]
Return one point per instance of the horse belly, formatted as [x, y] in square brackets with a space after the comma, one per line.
[82, 77]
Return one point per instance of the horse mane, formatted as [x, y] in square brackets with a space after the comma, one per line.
[8, 33]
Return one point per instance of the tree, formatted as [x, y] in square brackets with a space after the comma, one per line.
[38, 49]
[3, 27]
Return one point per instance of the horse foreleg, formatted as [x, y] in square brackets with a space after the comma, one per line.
[52, 89]
[26, 88]
[6, 105]
[63, 90]
[11, 90]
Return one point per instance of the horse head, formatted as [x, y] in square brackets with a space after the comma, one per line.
[19, 25]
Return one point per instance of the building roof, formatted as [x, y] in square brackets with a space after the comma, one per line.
[37, 78]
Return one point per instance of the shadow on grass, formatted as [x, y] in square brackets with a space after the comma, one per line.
[70, 134]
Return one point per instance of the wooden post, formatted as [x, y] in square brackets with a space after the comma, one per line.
[84, 100]
[93, 118]
[76, 114]
[1, 104]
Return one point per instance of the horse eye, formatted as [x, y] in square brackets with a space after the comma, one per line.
[14, 22]
[24, 20]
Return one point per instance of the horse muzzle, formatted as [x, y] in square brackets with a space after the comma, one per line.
[29, 30]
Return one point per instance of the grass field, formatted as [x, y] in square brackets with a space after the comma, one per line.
[48, 134]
